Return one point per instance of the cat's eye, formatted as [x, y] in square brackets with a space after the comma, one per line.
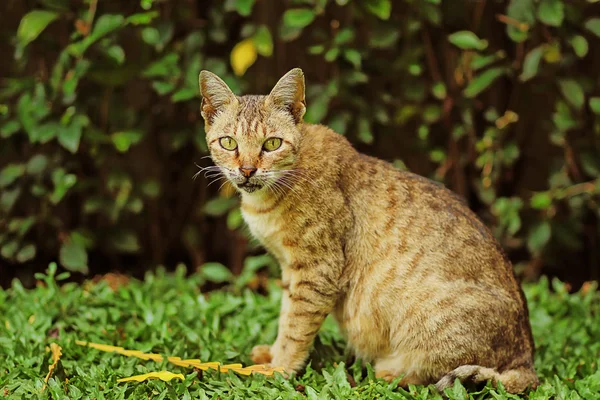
[228, 143]
[272, 144]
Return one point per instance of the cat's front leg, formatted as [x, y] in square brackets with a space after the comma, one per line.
[261, 354]
[311, 296]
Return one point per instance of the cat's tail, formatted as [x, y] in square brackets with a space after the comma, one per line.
[514, 380]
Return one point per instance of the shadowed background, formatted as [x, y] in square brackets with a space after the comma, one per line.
[100, 127]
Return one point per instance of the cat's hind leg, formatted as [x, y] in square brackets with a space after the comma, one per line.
[390, 368]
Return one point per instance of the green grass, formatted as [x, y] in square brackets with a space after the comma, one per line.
[168, 314]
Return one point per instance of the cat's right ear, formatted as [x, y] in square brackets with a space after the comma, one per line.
[215, 95]
[288, 94]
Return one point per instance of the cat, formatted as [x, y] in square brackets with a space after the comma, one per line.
[416, 282]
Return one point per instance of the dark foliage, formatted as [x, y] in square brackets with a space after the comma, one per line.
[100, 124]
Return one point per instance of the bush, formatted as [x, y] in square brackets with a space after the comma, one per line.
[100, 128]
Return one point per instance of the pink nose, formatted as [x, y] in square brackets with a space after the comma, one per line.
[247, 171]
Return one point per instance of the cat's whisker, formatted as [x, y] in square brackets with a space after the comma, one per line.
[274, 190]
[216, 180]
[210, 169]
[292, 178]
[281, 183]
[223, 184]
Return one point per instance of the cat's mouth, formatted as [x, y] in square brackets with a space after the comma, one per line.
[249, 187]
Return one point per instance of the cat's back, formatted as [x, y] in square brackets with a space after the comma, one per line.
[401, 217]
[407, 215]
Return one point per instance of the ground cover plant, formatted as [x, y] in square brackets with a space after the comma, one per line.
[170, 315]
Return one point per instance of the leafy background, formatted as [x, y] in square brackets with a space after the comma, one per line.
[100, 127]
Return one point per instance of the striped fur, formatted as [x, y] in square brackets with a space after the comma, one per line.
[418, 284]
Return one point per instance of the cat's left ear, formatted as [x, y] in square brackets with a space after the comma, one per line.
[288, 94]
[215, 95]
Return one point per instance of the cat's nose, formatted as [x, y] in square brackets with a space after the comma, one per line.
[247, 171]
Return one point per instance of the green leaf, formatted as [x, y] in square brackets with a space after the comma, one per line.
[467, 40]
[69, 136]
[37, 164]
[62, 183]
[166, 66]
[522, 11]
[104, 25]
[234, 219]
[46, 132]
[590, 163]
[344, 36]
[573, 92]
[116, 53]
[298, 17]
[216, 272]
[531, 63]
[382, 37]
[380, 8]
[364, 131]
[538, 237]
[316, 49]
[483, 81]
[21, 226]
[439, 90]
[563, 118]
[9, 249]
[432, 113]
[580, 45]
[244, 7]
[74, 257]
[32, 24]
[8, 198]
[125, 242]
[219, 206]
[481, 61]
[9, 128]
[163, 88]
[10, 173]
[595, 105]
[151, 35]
[183, 95]
[541, 200]
[263, 41]
[354, 57]
[551, 12]
[331, 54]
[26, 253]
[593, 25]
[123, 140]
[151, 188]
[142, 18]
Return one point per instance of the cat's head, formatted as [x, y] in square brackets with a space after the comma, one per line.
[254, 140]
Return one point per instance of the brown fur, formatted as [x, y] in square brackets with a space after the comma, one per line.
[418, 284]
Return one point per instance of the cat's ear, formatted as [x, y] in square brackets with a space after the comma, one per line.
[215, 95]
[288, 94]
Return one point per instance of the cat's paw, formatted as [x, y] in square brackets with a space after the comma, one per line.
[261, 354]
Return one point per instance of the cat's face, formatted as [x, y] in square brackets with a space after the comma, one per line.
[253, 140]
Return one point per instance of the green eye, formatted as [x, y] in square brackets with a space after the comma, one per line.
[272, 144]
[228, 143]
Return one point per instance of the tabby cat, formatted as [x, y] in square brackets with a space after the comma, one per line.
[417, 283]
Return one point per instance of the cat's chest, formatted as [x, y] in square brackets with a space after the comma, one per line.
[268, 228]
[263, 226]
